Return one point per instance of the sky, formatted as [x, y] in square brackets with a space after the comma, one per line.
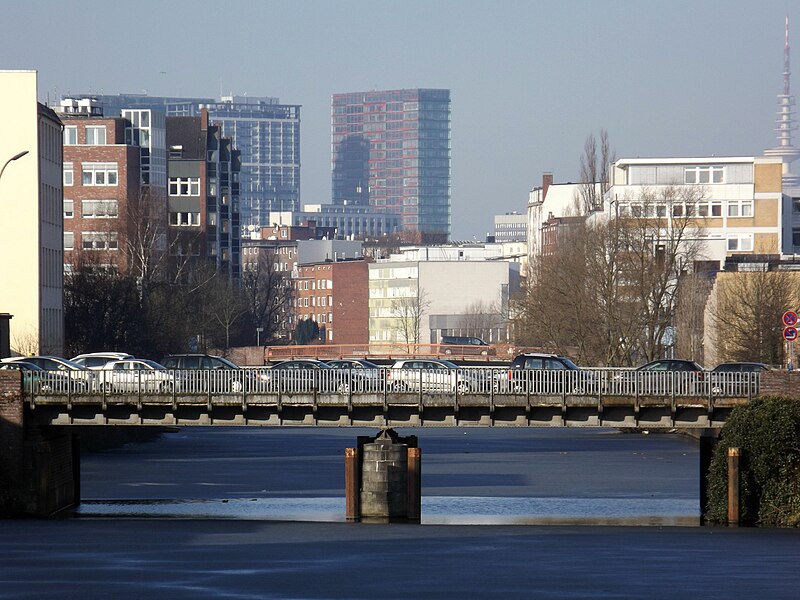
[529, 80]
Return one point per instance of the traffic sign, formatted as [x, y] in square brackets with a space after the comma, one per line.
[790, 318]
[789, 334]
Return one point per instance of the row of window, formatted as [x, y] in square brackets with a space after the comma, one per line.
[95, 135]
[734, 208]
[321, 284]
[704, 174]
[92, 209]
[92, 240]
[184, 186]
[93, 174]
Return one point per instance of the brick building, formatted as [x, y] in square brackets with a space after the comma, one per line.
[335, 295]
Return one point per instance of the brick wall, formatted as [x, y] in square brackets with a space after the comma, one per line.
[350, 302]
[780, 383]
[12, 434]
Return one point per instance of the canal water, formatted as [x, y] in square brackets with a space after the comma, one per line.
[507, 513]
[469, 476]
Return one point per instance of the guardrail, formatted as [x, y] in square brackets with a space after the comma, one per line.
[381, 351]
[488, 381]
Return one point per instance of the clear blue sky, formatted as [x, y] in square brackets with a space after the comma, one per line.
[528, 80]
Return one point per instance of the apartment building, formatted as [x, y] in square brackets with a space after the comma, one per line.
[203, 195]
[334, 294]
[31, 224]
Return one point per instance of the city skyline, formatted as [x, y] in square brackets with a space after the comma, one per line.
[528, 82]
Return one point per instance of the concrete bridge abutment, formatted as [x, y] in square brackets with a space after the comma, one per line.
[39, 465]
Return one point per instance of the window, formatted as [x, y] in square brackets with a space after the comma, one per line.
[93, 209]
[742, 242]
[795, 237]
[98, 240]
[184, 186]
[70, 135]
[69, 173]
[99, 173]
[95, 135]
[69, 208]
[703, 175]
[69, 240]
[740, 208]
[184, 219]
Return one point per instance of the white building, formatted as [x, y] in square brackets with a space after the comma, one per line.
[737, 204]
[31, 217]
[444, 291]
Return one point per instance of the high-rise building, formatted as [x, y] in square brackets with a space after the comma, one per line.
[266, 133]
[391, 151]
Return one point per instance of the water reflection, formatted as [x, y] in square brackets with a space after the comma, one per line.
[436, 510]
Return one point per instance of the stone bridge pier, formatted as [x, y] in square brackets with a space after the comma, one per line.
[39, 466]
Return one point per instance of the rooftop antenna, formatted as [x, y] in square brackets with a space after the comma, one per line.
[785, 122]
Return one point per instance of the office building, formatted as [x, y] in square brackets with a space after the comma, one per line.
[31, 224]
[391, 152]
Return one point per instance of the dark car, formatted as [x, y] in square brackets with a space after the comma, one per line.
[465, 345]
[39, 381]
[306, 375]
[541, 373]
[366, 376]
[203, 373]
[736, 379]
[659, 378]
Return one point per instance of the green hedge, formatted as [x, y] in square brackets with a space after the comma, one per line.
[768, 432]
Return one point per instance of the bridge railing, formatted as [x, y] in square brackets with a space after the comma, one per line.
[488, 381]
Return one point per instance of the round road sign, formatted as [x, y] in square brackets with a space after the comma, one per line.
[789, 334]
[790, 318]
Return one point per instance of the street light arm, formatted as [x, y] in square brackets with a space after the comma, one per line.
[13, 158]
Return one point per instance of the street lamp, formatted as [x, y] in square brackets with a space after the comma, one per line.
[13, 158]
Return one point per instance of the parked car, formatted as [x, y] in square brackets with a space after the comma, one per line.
[466, 345]
[543, 373]
[99, 360]
[660, 377]
[71, 370]
[201, 373]
[431, 375]
[736, 379]
[135, 375]
[365, 375]
[38, 381]
[306, 375]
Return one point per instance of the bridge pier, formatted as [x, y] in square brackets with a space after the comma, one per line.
[382, 478]
[39, 466]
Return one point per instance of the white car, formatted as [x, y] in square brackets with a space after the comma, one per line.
[430, 375]
[134, 375]
[98, 360]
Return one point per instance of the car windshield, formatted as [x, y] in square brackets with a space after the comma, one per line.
[569, 364]
[226, 362]
[448, 364]
[71, 365]
[153, 365]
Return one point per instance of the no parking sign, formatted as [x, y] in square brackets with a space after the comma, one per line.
[789, 334]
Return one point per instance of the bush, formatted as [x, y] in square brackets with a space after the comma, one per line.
[768, 432]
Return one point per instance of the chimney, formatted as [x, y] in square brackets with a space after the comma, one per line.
[547, 181]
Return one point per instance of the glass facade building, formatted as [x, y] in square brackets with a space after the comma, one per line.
[391, 151]
[266, 133]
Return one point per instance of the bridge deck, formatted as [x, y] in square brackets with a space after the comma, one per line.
[378, 410]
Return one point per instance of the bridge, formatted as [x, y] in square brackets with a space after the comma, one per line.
[40, 459]
[387, 397]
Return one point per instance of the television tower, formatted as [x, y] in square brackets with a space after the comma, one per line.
[786, 123]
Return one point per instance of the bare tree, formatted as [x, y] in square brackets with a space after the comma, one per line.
[267, 294]
[594, 172]
[408, 312]
[746, 314]
[480, 318]
[690, 315]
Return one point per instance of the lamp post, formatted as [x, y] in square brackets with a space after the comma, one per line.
[13, 158]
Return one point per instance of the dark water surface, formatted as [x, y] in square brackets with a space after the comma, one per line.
[258, 513]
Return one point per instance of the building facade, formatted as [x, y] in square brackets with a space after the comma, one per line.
[266, 133]
[417, 302]
[346, 222]
[391, 151]
[334, 295]
[31, 224]
[734, 204]
[510, 227]
[203, 205]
